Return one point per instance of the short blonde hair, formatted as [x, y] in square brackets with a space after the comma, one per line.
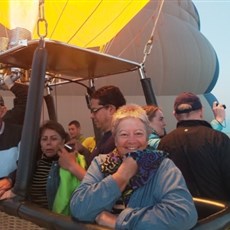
[130, 111]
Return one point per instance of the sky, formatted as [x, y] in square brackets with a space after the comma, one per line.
[215, 20]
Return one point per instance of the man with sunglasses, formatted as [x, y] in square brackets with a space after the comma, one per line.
[103, 104]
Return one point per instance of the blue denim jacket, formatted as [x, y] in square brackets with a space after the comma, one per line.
[52, 183]
[163, 203]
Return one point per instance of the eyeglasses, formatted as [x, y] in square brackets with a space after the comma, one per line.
[95, 110]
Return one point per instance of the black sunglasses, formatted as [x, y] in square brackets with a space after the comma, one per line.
[95, 110]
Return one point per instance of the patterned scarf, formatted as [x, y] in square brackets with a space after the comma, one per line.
[148, 162]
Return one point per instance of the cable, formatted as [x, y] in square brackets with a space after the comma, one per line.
[149, 44]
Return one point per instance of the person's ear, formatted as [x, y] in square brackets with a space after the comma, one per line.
[112, 109]
[175, 115]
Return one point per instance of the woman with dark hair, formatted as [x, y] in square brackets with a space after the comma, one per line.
[49, 180]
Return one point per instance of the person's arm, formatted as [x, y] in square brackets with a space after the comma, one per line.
[125, 172]
[12, 177]
[5, 184]
[168, 203]
[95, 194]
[219, 114]
[80, 148]
[153, 141]
[17, 113]
[216, 125]
[68, 161]
[106, 219]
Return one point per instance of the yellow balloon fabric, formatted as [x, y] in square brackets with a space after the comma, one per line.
[85, 23]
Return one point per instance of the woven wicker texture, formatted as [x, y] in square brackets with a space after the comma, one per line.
[8, 222]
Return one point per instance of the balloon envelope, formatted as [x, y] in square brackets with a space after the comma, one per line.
[181, 59]
[82, 23]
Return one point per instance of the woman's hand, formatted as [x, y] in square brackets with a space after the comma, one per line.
[7, 195]
[66, 159]
[106, 219]
[128, 168]
[125, 172]
[5, 184]
[77, 145]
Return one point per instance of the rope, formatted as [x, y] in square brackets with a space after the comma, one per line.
[149, 44]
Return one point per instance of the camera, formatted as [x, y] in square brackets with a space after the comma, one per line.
[69, 148]
[224, 106]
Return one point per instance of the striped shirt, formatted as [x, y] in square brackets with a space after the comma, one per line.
[39, 182]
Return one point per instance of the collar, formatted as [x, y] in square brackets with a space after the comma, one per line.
[189, 123]
[50, 159]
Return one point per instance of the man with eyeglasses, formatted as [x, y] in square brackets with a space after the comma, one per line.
[10, 134]
[103, 104]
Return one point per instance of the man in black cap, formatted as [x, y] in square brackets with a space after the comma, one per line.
[10, 134]
[200, 152]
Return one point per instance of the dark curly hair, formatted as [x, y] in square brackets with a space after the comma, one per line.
[109, 95]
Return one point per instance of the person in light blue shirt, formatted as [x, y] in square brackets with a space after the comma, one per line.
[219, 113]
[144, 181]
[11, 121]
[157, 123]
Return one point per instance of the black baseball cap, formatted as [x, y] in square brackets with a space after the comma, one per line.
[186, 102]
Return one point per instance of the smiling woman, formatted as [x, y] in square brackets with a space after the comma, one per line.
[161, 65]
[136, 180]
